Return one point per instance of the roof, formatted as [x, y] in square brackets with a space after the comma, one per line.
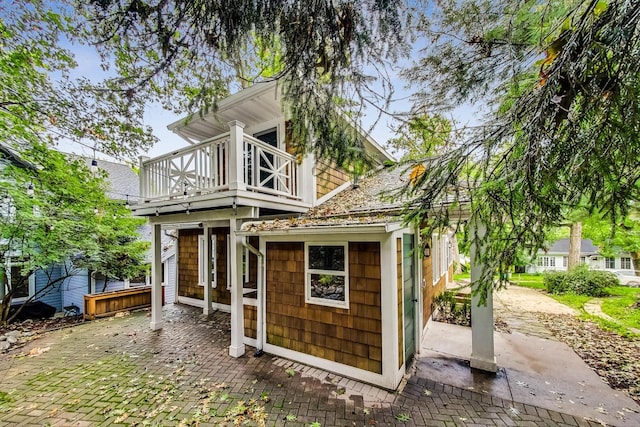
[123, 180]
[8, 153]
[369, 202]
[561, 246]
[255, 105]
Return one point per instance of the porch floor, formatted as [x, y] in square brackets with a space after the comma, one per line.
[118, 371]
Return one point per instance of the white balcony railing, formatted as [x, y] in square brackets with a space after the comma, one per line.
[231, 161]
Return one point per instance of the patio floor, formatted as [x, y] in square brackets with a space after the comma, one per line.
[118, 371]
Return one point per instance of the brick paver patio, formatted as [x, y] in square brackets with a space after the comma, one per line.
[118, 372]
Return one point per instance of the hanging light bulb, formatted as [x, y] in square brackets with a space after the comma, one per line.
[188, 212]
[94, 163]
[115, 216]
[127, 205]
[95, 210]
[30, 189]
[157, 212]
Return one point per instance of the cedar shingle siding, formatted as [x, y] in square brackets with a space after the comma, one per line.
[329, 177]
[352, 337]
[188, 266]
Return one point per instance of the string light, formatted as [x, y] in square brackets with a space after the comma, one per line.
[30, 189]
[94, 163]
[157, 212]
[188, 211]
[127, 205]
[95, 210]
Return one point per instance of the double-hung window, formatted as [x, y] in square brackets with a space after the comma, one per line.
[625, 263]
[327, 274]
[610, 263]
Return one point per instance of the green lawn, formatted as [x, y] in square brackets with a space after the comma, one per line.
[528, 280]
[618, 305]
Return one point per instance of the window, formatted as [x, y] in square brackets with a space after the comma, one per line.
[565, 261]
[23, 285]
[625, 263]
[327, 275]
[610, 263]
[546, 261]
[202, 262]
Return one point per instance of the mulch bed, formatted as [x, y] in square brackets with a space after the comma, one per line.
[615, 358]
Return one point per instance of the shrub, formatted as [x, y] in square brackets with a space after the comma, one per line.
[579, 281]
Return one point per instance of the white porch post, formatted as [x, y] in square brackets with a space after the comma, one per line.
[236, 156]
[482, 346]
[143, 176]
[236, 349]
[156, 283]
[207, 307]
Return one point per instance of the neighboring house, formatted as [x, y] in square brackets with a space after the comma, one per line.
[310, 267]
[123, 185]
[12, 264]
[557, 258]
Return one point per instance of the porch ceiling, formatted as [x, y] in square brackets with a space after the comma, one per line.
[255, 105]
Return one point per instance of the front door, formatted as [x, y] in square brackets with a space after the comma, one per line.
[409, 300]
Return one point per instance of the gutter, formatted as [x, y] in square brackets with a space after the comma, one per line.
[261, 291]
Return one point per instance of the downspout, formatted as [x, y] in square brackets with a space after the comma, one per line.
[260, 286]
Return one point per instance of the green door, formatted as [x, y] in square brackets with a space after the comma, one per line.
[408, 286]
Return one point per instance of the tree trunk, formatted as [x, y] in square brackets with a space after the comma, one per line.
[455, 253]
[635, 262]
[575, 244]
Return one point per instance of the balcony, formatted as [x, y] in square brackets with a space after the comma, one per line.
[232, 164]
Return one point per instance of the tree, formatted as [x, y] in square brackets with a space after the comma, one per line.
[423, 136]
[562, 80]
[41, 100]
[56, 213]
[624, 237]
[184, 54]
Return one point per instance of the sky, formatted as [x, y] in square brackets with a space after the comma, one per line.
[158, 118]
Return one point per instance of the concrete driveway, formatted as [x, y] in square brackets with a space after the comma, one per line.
[119, 372]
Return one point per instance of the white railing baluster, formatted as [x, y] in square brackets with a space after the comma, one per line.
[213, 165]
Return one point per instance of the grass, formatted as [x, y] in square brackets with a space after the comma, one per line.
[618, 306]
[528, 280]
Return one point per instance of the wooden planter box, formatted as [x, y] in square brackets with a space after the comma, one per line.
[109, 303]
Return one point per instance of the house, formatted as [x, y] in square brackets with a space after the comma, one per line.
[310, 266]
[557, 258]
[70, 292]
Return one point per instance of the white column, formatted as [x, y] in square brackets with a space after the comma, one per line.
[482, 346]
[156, 278]
[207, 307]
[306, 179]
[143, 177]
[236, 156]
[236, 349]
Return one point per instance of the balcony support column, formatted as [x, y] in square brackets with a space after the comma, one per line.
[236, 349]
[156, 278]
[207, 308]
[236, 156]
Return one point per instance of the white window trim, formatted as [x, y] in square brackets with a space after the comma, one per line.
[201, 261]
[439, 256]
[308, 272]
[31, 285]
[625, 263]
